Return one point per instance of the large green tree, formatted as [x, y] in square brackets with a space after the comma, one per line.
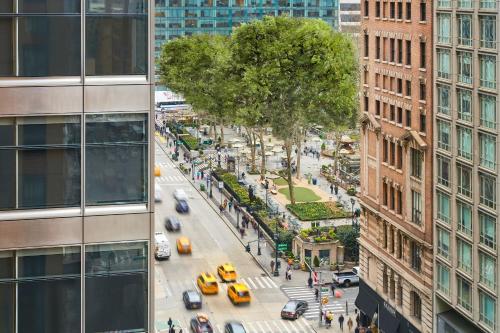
[301, 70]
[198, 67]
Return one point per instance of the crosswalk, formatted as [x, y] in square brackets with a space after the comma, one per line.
[167, 164]
[307, 294]
[175, 288]
[263, 326]
[169, 179]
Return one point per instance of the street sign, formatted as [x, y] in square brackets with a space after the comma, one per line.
[324, 289]
[282, 247]
[324, 300]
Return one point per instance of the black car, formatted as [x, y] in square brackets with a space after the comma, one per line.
[192, 299]
[293, 309]
[182, 206]
[172, 223]
[201, 324]
[234, 327]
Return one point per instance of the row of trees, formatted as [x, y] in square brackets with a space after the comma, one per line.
[279, 72]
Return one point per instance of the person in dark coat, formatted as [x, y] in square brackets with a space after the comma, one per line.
[341, 322]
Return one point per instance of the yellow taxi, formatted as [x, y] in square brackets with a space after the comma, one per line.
[207, 283]
[238, 293]
[227, 272]
[157, 171]
[183, 245]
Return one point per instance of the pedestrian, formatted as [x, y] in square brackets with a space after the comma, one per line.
[329, 318]
[316, 293]
[318, 154]
[357, 317]
[310, 282]
[290, 275]
[336, 189]
[341, 322]
[169, 322]
[230, 205]
[272, 265]
[331, 188]
[221, 208]
[333, 289]
[349, 324]
[356, 329]
[202, 173]
[242, 232]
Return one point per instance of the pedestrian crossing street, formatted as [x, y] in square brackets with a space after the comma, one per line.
[175, 288]
[304, 293]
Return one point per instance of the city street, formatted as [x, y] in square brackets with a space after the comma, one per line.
[213, 243]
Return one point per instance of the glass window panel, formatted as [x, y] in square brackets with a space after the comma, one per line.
[464, 104]
[7, 49]
[443, 63]
[464, 180]
[464, 217]
[6, 266]
[464, 29]
[487, 104]
[487, 309]
[464, 256]
[7, 306]
[487, 270]
[7, 6]
[49, 306]
[464, 63]
[488, 228]
[443, 237]
[487, 190]
[443, 210]
[443, 99]
[464, 142]
[487, 66]
[117, 6]
[42, 131]
[464, 293]
[48, 6]
[443, 278]
[488, 33]
[118, 257]
[443, 134]
[444, 28]
[113, 142]
[116, 45]
[49, 262]
[49, 46]
[487, 150]
[7, 179]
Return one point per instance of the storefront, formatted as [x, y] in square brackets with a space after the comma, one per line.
[375, 310]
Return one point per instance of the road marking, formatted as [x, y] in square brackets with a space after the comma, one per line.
[260, 327]
[284, 326]
[275, 324]
[271, 281]
[242, 280]
[218, 327]
[268, 326]
[250, 327]
[266, 282]
[196, 286]
[260, 283]
[252, 283]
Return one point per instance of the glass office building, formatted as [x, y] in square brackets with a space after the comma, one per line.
[76, 215]
[175, 18]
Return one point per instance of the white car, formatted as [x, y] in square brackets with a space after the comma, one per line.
[158, 193]
[180, 194]
[162, 246]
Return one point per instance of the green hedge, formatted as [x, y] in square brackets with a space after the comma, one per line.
[311, 211]
[232, 181]
[190, 142]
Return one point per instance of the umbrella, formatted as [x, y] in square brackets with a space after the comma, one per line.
[277, 149]
[235, 140]
[346, 139]
[204, 126]
[344, 151]
[238, 145]
[269, 144]
[316, 139]
[268, 153]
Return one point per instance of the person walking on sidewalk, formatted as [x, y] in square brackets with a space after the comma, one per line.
[316, 293]
[272, 265]
[349, 324]
[230, 205]
[333, 289]
[341, 322]
[331, 188]
[290, 275]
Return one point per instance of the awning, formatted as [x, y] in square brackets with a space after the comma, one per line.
[365, 300]
[389, 318]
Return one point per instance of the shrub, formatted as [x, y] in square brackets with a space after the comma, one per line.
[351, 191]
[310, 211]
[316, 261]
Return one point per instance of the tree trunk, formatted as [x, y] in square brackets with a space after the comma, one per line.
[288, 149]
[337, 149]
[299, 147]
[215, 133]
[222, 133]
[252, 149]
[263, 153]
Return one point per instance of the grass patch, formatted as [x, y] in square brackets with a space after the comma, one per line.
[302, 194]
[280, 181]
[311, 211]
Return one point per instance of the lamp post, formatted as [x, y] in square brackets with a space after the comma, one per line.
[192, 168]
[237, 209]
[267, 188]
[258, 239]
[276, 239]
[210, 177]
[352, 210]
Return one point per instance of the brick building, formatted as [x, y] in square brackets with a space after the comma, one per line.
[396, 255]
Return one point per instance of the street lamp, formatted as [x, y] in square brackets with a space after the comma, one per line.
[237, 209]
[258, 239]
[192, 168]
[266, 186]
[276, 238]
[210, 177]
[352, 210]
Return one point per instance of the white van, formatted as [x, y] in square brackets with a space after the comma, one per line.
[162, 246]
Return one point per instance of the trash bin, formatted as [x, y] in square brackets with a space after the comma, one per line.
[314, 180]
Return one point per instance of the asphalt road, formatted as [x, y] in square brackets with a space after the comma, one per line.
[213, 244]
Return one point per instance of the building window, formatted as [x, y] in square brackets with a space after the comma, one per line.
[464, 256]
[367, 103]
[408, 52]
[464, 218]
[487, 310]
[29, 48]
[487, 105]
[400, 11]
[415, 305]
[114, 141]
[444, 28]
[443, 63]
[408, 118]
[392, 10]
[399, 163]
[443, 170]
[464, 142]
[377, 107]
[422, 122]
[487, 150]
[367, 6]
[400, 51]
[367, 45]
[34, 278]
[464, 63]
[41, 162]
[464, 294]
[464, 4]
[116, 38]
[464, 29]
[120, 270]
[400, 86]
[464, 179]
[487, 69]
[487, 4]
[487, 270]
[487, 190]
[464, 104]
[488, 31]
[416, 157]
[443, 278]
[443, 207]
[377, 9]
[408, 11]
[400, 202]
[443, 246]
[488, 226]
[416, 253]
[408, 88]
[423, 11]
[377, 47]
[443, 134]
[416, 207]
[443, 99]
[423, 58]
[384, 194]
[392, 50]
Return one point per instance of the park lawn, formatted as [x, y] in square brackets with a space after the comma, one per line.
[311, 211]
[280, 181]
[302, 194]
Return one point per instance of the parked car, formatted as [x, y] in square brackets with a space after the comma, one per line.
[162, 246]
[182, 207]
[201, 324]
[346, 279]
[192, 299]
[294, 309]
[172, 223]
[234, 327]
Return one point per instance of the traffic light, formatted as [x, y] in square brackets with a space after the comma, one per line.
[247, 247]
